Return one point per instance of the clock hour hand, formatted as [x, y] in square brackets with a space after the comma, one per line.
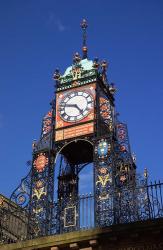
[74, 106]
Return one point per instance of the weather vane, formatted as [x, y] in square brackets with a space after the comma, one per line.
[84, 26]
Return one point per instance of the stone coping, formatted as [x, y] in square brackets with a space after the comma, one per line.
[84, 235]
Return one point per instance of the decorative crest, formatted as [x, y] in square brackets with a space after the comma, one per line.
[84, 26]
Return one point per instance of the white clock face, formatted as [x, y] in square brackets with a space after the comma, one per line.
[75, 106]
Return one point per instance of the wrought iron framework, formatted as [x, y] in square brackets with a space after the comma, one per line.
[119, 195]
[144, 202]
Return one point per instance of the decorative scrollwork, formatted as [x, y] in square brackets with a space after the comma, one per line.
[22, 193]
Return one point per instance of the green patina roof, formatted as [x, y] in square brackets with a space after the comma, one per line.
[85, 64]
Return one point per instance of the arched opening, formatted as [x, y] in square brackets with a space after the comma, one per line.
[78, 152]
[74, 184]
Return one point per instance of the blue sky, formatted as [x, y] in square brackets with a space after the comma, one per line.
[38, 36]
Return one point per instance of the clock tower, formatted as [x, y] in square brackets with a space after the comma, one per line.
[81, 128]
[87, 131]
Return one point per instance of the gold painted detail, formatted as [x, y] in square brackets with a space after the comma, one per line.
[76, 73]
[39, 184]
[103, 170]
[70, 215]
[38, 192]
[37, 230]
[103, 179]
[37, 210]
[103, 196]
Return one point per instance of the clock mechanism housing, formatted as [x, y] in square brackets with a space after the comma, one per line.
[75, 112]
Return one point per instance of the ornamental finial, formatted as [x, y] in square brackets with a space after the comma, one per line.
[84, 26]
[145, 173]
[56, 76]
[76, 58]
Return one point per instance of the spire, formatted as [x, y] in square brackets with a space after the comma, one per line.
[84, 26]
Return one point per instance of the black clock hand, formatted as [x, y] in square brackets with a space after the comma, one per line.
[74, 106]
[80, 110]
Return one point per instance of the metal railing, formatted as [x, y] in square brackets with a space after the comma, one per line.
[155, 200]
[86, 211]
[124, 205]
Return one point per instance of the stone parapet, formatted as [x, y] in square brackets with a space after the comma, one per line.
[144, 235]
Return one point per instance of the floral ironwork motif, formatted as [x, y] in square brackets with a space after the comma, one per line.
[47, 123]
[41, 162]
[106, 112]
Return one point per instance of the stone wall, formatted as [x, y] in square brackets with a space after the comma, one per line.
[145, 235]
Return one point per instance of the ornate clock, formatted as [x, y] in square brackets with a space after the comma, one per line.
[75, 106]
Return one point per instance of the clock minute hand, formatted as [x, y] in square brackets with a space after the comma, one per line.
[80, 110]
[74, 106]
